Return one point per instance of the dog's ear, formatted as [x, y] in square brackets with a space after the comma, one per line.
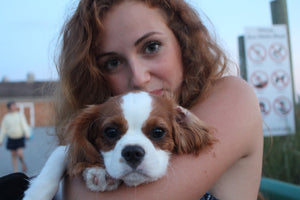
[190, 134]
[81, 152]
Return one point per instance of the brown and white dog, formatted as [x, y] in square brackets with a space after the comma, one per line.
[129, 139]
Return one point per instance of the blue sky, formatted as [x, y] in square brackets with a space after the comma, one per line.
[29, 31]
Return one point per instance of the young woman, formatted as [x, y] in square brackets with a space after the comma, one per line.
[15, 126]
[110, 47]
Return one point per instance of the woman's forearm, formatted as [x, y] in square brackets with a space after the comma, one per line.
[172, 186]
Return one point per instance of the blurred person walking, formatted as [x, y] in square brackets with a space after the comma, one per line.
[15, 126]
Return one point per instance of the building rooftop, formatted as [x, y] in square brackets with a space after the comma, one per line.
[27, 89]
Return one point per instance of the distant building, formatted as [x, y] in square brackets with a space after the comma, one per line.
[35, 99]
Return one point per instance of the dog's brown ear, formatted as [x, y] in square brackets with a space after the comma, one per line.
[81, 152]
[190, 134]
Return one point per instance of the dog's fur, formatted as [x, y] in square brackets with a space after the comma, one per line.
[129, 138]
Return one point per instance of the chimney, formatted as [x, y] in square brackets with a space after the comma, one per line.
[30, 78]
[5, 79]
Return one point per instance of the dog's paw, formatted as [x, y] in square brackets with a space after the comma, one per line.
[97, 179]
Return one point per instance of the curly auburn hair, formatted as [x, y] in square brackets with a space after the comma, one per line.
[82, 82]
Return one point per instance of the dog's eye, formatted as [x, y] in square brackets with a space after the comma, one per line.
[157, 133]
[111, 133]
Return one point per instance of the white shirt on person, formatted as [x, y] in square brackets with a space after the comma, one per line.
[14, 125]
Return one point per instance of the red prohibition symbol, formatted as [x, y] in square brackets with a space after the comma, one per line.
[282, 106]
[280, 79]
[259, 79]
[265, 106]
[257, 53]
[277, 52]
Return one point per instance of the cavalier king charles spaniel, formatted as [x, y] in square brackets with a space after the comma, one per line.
[128, 139]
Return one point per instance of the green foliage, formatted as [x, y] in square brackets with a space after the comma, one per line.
[282, 155]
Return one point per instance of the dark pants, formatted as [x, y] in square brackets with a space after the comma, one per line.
[14, 144]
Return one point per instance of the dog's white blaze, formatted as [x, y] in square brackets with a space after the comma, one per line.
[136, 109]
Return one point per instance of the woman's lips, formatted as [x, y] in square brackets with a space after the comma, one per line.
[157, 92]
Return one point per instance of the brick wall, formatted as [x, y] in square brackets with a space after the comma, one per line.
[44, 115]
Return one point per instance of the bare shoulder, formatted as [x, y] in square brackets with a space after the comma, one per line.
[235, 86]
[233, 110]
[234, 89]
[231, 96]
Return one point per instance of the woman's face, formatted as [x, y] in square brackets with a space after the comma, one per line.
[139, 51]
[13, 107]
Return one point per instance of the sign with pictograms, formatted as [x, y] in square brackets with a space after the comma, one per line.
[269, 73]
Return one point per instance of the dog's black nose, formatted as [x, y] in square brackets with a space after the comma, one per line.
[133, 155]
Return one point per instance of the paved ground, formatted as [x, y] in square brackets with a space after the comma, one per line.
[36, 152]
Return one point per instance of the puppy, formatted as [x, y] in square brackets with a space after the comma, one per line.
[129, 139]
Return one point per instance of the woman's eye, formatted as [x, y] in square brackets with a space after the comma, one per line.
[152, 47]
[112, 64]
[111, 133]
[157, 133]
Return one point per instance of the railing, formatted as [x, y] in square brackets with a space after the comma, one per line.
[279, 190]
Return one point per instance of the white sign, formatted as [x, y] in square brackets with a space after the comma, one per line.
[268, 71]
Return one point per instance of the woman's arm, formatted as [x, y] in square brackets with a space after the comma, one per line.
[2, 130]
[231, 169]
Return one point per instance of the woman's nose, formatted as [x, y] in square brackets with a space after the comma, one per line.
[140, 75]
